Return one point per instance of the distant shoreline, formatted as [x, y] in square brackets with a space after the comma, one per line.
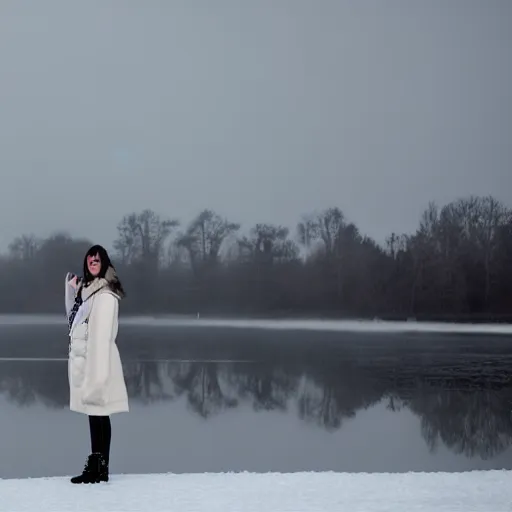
[284, 323]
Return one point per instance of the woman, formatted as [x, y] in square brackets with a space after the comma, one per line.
[96, 381]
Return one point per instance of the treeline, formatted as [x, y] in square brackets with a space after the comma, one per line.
[457, 265]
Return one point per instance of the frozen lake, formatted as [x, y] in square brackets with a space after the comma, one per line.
[242, 398]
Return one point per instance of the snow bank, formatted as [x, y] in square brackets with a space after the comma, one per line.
[477, 491]
[377, 326]
[326, 325]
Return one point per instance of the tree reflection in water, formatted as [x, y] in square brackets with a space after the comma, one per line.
[466, 411]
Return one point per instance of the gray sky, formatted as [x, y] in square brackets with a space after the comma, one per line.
[261, 110]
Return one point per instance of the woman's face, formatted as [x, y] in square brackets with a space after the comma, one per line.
[94, 264]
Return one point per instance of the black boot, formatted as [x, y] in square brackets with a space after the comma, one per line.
[103, 468]
[95, 471]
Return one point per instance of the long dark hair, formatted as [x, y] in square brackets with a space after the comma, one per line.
[107, 270]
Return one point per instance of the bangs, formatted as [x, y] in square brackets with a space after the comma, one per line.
[95, 250]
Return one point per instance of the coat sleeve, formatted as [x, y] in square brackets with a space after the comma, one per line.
[101, 330]
[69, 295]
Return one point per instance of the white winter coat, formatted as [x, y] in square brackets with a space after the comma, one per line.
[96, 381]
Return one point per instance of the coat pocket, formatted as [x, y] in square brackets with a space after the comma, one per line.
[78, 359]
[81, 331]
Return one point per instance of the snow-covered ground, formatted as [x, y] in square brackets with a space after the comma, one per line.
[306, 324]
[273, 492]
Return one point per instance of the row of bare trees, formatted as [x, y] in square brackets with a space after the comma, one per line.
[456, 265]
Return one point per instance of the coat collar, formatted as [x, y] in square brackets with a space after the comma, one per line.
[100, 285]
[93, 287]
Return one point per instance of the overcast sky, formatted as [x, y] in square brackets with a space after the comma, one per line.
[259, 109]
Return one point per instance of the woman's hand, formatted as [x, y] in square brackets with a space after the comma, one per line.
[73, 281]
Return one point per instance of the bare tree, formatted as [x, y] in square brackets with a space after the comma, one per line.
[268, 243]
[24, 247]
[141, 236]
[330, 223]
[308, 231]
[205, 235]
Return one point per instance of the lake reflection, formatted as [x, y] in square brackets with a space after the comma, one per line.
[228, 416]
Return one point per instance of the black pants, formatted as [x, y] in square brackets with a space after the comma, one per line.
[101, 433]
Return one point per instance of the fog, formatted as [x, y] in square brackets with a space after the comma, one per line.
[333, 158]
[261, 112]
